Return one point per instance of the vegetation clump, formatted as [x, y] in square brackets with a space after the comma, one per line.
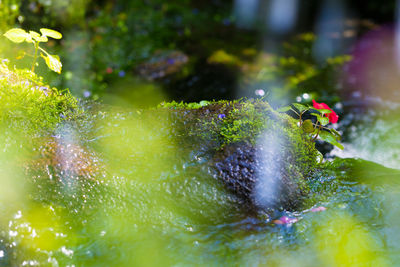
[29, 104]
[251, 140]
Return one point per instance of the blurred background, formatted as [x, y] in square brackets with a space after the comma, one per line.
[213, 49]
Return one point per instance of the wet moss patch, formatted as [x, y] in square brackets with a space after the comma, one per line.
[29, 104]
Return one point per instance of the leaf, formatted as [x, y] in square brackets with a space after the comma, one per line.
[330, 138]
[307, 126]
[323, 111]
[284, 109]
[300, 107]
[16, 35]
[51, 33]
[53, 62]
[36, 36]
[323, 120]
[336, 133]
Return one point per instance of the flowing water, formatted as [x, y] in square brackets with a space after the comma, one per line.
[141, 197]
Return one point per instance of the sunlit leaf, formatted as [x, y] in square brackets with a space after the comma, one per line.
[16, 35]
[53, 62]
[36, 36]
[330, 138]
[300, 107]
[51, 33]
[29, 39]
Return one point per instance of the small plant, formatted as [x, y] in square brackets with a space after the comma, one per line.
[17, 35]
[323, 114]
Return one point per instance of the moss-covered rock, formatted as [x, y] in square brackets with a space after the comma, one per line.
[29, 105]
[259, 154]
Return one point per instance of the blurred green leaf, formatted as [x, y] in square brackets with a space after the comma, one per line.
[16, 35]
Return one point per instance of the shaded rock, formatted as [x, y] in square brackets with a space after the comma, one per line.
[162, 64]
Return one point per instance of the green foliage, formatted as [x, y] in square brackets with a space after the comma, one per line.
[318, 128]
[29, 105]
[9, 11]
[17, 35]
[294, 71]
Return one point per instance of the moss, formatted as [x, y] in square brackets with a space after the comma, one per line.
[30, 105]
[227, 122]
[183, 105]
[238, 131]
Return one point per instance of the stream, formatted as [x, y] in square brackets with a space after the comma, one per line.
[151, 201]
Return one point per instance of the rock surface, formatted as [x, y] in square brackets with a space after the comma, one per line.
[260, 156]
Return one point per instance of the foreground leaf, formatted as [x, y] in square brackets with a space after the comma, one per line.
[16, 35]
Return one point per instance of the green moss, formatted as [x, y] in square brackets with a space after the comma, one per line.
[252, 125]
[29, 105]
[221, 123]
[182, 105]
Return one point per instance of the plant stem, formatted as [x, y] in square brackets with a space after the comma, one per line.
[35, 55]
[301, 122]
[319, 129]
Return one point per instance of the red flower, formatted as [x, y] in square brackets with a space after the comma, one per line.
[333, 117]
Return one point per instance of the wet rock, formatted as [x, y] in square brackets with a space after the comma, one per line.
[242, 167]
[260, 156]
[62, 161]
[162, 64]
